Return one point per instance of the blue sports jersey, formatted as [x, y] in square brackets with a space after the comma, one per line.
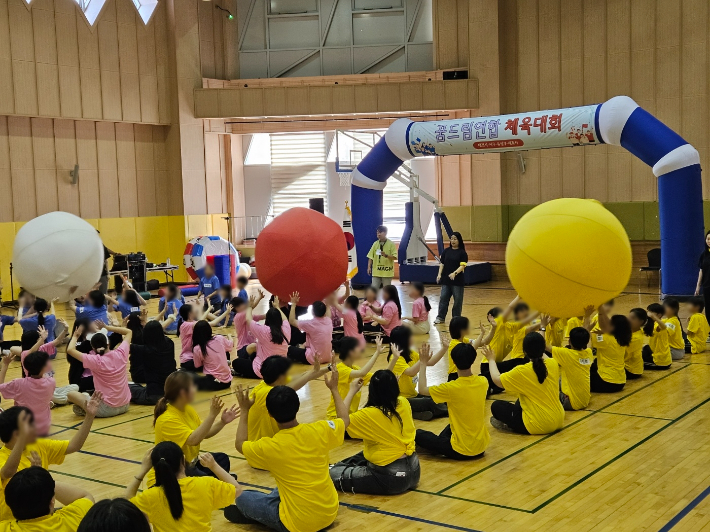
[209, 287]
[172, 328]
[92, 313]
[30, 324]
[125, 309]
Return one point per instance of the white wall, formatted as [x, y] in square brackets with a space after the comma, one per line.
[257, 189]
[426, 169]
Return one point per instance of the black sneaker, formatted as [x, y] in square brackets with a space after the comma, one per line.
[233, 515]
[423, 416]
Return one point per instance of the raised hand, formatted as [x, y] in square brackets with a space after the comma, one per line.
[207, 460]
[42, 332]
[396, 353]
[230, 414]
[35, 459]
[295, 298]
[425, 354]
[276, 303]
[78, 332]
[243, 398]
[357, 384]
[488, 352]
[492, 321]
[216, 406]
[93, 404]
[24, 425]
[378, 344]
[331, 379]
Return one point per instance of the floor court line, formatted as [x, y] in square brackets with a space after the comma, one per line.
[685, 511]
[592, 412]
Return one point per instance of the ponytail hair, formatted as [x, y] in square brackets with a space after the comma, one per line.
[176, 383]
[99, 343]
[352, 302]
[419, 287]
[621, 329]
[656, 308]
[41, 306]
[534, 348]
[274, 321]
[642, 316]
[168, 460]
[183, 315]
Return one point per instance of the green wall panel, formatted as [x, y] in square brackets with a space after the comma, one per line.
[461, 219]
[631, 216]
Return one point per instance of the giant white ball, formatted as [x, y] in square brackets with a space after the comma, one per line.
[57, 255]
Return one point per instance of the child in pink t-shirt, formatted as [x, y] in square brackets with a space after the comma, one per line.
[391, 310]
[319, 333]
[189, 315]
[212, 353]
[272, 338]
[419, 322]
[370, 306]
[34, 392]
[246, 343]
[352, 320]
[109, 369]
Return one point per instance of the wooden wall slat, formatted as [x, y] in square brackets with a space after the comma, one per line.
[108, 170]
[126, 165]
[22, 168]
[6, 199]
[66, 158]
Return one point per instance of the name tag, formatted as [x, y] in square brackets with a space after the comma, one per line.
[600, 338]
[80, 309]
[331, 424]
[135, 309]
[671, 326]
[585, 361]
[415, 380]
[208, 285]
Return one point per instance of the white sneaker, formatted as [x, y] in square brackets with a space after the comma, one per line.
[438, 321]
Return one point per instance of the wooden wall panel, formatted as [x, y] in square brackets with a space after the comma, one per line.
[66, 157]
[145, 170]
[22, 167]
[89, 206]
[6, 203]
[44, 165]
[126, 165]
[108, 169]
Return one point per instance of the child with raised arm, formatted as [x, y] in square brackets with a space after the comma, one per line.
[390, 316]
[22, 448]
[404, 363]
[41, 318]
[388, 464]
[297, 457]
[418, 322]
[109, 370]
[319, 333]
[641, 327]
[130, 301]
[211, 352]
[607, 373]
[537, 384]
[271, 339]
[179, 502]
[657, 354]
[460, 330]
[353, 324]
[189, 315]
[275, 372]
[173, 298]
[246, 342]
[467, 436]
[209, 287]
[349, 352]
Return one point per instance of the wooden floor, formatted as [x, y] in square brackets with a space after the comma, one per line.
[634, 460]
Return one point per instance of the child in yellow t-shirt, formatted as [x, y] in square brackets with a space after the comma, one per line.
[404, 363]
[698, 327]
[460, 330]
[641, 327]
[575, 362]
[349, 352]
[671, 307]
[657, 354]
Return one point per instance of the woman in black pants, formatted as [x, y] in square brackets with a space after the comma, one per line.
[389, 464]
[704, 275]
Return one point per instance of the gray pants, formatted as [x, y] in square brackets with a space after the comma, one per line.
[379, 282]
[677, 354]
[448, 290]
[357, 475]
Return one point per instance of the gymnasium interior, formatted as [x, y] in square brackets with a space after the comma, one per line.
[163, 122]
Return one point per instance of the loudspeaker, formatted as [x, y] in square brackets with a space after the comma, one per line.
[317, 204]
[456, 74]
[74, 174]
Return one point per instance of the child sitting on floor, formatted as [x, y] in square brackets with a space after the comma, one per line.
[574, 362]
[657, 354]
[419, 321]
[467, 436]
[319, 333]
[675, 329]
[698, 327]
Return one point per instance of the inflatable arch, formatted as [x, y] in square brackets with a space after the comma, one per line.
[619, 121]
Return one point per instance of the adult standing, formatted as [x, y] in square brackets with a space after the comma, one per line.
[453, 261]
[103, 282]
[704, 275]
[380, 259]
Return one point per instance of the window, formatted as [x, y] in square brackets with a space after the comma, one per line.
[259, 150]
[297, 170]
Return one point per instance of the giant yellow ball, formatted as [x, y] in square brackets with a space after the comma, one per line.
[567, 254]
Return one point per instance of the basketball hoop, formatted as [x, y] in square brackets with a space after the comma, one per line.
[346, 178]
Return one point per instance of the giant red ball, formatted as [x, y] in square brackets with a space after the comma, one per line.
[302, 251]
